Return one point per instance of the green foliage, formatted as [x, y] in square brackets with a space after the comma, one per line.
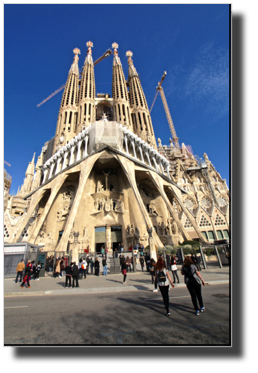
[191, 243]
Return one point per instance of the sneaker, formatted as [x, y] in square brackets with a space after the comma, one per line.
[197, 313]
[29, 287]
[22, 287]
[168, 314]
[155, 290]
[202, 309]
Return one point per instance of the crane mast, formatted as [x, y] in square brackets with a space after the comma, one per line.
[168, 115]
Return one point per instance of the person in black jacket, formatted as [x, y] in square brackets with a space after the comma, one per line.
[27, 275]
[68, 276]
[96, 265]
[75, 274]
[123, 267]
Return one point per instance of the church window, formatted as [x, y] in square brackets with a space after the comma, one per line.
[70, 117]
[65, 117]
[225, 234]
[219, 234]
[140, 120]
[211, 235]
[205, 235]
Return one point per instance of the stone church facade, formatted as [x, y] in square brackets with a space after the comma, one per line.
[104, 179]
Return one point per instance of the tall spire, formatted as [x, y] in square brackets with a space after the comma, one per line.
[141, 119]
[120, 92]
[87, 94]
[68, 113]
[26, 187]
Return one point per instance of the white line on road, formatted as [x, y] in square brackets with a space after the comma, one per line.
[183, 296]
[18, 307]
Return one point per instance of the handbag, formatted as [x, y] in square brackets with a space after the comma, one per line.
[124, 271]
[173, 267]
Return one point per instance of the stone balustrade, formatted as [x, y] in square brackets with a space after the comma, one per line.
[78, 149]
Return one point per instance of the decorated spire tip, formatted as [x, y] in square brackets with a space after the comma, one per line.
[115, 47]
[89, 44]
[129, 54]
[76, 51]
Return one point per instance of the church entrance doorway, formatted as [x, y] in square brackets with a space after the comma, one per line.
[116, 237]
[100, 238]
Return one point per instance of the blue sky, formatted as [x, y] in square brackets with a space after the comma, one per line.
[190, 42]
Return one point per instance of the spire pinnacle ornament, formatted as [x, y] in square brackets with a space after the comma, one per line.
[132, 69]
[115, 47]
[88, 58]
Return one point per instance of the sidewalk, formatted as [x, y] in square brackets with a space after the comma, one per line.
[104, 284]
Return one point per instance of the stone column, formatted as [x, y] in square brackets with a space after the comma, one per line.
[51, 169]
[71, 155]
[147, 155]
[154, 160]
[45, 175]
[86, 146]
[161, 166]
[58, 163]
[132, 142]
[140, 149]
[167, 168]
[78, 150]
[108, 239]
[65, 156]
[126, 146]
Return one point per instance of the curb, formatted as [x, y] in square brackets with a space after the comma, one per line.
[99, 290]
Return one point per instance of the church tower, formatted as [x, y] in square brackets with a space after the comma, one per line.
[87, 93]
[120, 93]
[68, 113]
[142, 124]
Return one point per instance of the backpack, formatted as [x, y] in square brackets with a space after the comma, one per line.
[161, 276]
[82, 267]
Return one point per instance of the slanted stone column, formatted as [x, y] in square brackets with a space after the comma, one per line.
[71, 155]
[51, 169]
[86, 146]
[78, 150]
[58, 163]
[45, 174]
[64, 161]
[126, 145]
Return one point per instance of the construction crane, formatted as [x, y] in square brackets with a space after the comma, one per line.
[8, 164]
[169, 118]
[105, 55]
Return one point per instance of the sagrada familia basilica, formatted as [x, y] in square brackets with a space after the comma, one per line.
[103, 178]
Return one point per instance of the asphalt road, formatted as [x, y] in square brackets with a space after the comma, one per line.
[129, 318]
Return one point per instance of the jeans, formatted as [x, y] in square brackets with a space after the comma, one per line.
[105, 270]
[164, 293]
[19, 273]
[195, 291]
[75, 279]
[68, 278]
[175, 275]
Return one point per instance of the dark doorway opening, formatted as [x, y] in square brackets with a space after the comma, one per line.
[98, 247]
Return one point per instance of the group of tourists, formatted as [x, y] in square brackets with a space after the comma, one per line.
[192, 277]
[31, 271]
[159, 271]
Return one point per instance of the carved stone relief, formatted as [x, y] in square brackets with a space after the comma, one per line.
[67, 198]
[108, 204]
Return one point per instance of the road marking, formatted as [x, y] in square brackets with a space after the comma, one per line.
[183, 296]
[17, 307]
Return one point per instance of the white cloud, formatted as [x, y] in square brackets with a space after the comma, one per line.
[204, 82]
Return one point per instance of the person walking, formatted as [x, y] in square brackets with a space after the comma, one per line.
[104, 263]
[163, 279]
[142, 262]
[152, 272]
[57, 269]
[91, 265]
[84, 267]
[96, 265]
[37, 270]
[174, 269]
[123, 268]
[68, 276]
[128, 264]
[19, 270]
[102, 251]
[168, 261]
[193, 281]
[27, 275]
[80, 268]
[75, 274]
[62, 265]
